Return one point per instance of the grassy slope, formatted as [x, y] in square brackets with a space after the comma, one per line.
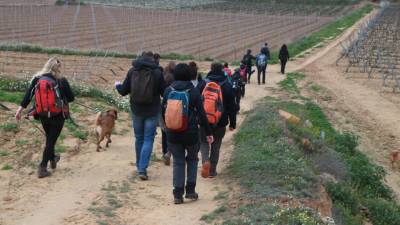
[269, 162]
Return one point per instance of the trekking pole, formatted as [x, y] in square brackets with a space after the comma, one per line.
[34, 125]
[5, 107]
[88, 107]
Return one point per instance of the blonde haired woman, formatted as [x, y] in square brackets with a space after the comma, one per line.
[52, 93]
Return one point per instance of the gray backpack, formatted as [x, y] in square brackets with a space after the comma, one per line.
[143, 86]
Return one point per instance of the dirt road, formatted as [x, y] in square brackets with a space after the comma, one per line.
[82, 182]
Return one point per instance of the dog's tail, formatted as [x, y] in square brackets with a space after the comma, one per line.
[98, 120]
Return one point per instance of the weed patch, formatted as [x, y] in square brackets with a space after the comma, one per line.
[289, 84]
[10, 127]
[13, 97]
[7, 167]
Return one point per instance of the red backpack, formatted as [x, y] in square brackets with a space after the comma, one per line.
[48, 100]
[213, 102]
[243, 73]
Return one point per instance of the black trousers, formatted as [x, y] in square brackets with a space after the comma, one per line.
[52, 127]
[248, 71]
[283, 66]
[212, 154]
[164, 142]
[262, 70]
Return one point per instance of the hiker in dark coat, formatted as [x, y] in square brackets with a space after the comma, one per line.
[283, 57]
[52, 124]
[145, 106]
[248, 61]
[210, 157]
[169, 79]
[184, 145]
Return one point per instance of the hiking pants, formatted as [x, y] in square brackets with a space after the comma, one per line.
[164, 142]
[262, 70]
[212, 154]
[145, 131]
[184, 156]
[248, 71]
[52, 128]
[283, 66]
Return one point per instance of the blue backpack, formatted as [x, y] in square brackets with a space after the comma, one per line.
[177, 110]
[261, 60]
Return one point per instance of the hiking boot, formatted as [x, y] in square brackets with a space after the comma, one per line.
[143, 176]
[167, 158]
[212, 175]
[53, 163]
[178, 195]
[192, 196]
[178, 200]
[42, 172]
[213, 171]
[205, 170]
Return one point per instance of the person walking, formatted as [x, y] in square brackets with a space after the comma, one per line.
[169, 79]
[182, 102]
[248, 61]
[283, 57]
[52, 93]
[261, 64]
[145, 84]
[195, 77]
[216, 82]
[265, 50]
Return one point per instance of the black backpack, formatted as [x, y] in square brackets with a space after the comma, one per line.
[143, 86]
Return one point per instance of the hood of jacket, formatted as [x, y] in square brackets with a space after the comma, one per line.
[217, 76]
[144, 62]
[182, 85]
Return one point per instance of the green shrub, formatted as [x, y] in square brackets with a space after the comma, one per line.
[343, 194]
[383, 212]
[346, 143]
[343, 215]
[368, 178]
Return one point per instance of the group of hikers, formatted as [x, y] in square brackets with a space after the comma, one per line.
[193, 112]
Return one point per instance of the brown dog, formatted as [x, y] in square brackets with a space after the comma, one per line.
[394, 157]
[105, 122]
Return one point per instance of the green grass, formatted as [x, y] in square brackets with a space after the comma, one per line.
[21, 142]
[289, 84]
[13, 97]
[7, 167]
[4, 154]
[262, 150]
[60, 149]
[24, 47]
[10, 127]
[75, 131]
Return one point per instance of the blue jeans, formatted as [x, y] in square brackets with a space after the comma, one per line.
[145, 131]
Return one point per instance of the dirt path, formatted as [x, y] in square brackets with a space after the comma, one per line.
[358, 106]
[66, 196]
[77, 185]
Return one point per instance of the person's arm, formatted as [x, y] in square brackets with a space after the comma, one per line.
[162, 86]
[288, 55]
[125, 88]
[201, 113]
[164, 102]
[27, 99]
[69, 95]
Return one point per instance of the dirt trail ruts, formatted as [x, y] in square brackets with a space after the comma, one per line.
[65, 197]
